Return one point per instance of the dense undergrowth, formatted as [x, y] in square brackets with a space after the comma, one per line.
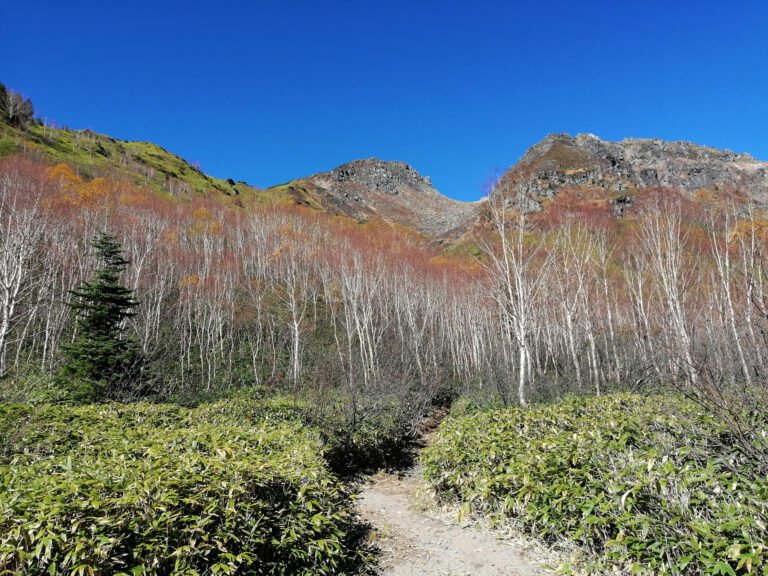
[648, 485]
[237, 486]
[350, 446]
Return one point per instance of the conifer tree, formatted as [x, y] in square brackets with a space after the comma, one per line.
[103, 361]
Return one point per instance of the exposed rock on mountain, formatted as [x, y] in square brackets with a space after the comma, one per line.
[620, 168]
[396, 193]
[392, 191]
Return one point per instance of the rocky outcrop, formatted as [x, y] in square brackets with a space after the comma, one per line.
[391, 191]
[585, 161]
[383, 176]
[395, 192]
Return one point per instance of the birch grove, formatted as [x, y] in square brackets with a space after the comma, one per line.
[567, 300]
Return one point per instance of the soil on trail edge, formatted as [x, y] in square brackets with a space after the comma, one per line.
[417, 540]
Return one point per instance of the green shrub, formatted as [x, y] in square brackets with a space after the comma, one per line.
[244, 410]
[159, 489]
[643, 485]
[382, 439]
[32, 388]
[7, 147]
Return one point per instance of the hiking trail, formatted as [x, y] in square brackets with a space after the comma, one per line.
[416, 538]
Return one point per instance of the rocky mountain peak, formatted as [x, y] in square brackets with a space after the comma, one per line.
[611, 172]
[631, 149]
[586, 161]
[390, 191]
[382, 175]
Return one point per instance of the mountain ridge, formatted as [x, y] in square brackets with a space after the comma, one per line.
[622, 168]
[396, 193]
[389, 190]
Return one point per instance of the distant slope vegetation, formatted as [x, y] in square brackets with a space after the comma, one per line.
[363, 190]
[600, 173]
[143, 163]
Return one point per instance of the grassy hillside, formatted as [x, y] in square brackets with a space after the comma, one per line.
[143, 163]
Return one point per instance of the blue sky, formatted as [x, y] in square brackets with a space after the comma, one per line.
[266, 91]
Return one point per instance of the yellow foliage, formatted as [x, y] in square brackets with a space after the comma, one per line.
[202, 214]
[205, 223]
[76, 191]
[92, 191]
[442, 260]
[193, 280]
[64, 174]
[705, 196]
[207, 228]
[745, 228]
[293, 232]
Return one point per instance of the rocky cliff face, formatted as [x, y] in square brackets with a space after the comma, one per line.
[396, 193]
[382, 176]
[585, 161]
[391, 191]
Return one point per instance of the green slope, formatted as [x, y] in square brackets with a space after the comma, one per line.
[93, 154]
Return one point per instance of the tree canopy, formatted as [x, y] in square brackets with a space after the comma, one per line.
[14, 107]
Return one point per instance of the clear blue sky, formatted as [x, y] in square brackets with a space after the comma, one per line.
[266, 91]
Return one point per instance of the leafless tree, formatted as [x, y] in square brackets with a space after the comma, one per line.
[517, 264]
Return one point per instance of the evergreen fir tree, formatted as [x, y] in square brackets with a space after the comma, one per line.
[103, 361]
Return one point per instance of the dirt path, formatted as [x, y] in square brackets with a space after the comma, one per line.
[416, 539]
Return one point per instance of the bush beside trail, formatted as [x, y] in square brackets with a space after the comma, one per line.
[160, 489]
[384, 438]
[645, 485]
